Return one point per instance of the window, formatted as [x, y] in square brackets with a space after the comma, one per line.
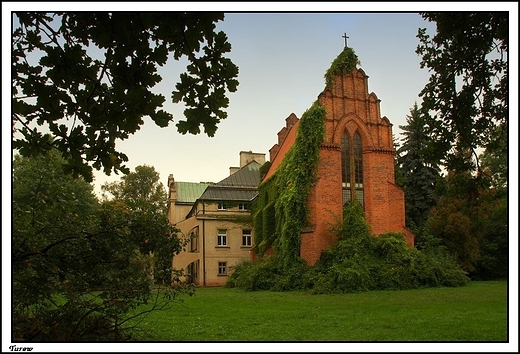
[222, 206]
[222, 237]
[345, 162]
[352, 168]
[358, 162]
[246, 238]
[192, 272]
[194, 239]
[242, 206]
[222, 268]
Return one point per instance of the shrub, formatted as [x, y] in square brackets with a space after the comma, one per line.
[251, 275]
[411, 268]
[364, 262]
[267, 274]
[358, 262]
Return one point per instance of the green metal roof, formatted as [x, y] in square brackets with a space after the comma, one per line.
[229, 194]
[240, 186]
[189, 192]
[247, 176]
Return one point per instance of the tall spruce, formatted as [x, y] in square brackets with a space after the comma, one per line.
[418, 176]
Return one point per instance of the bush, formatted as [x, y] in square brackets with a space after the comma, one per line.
[267, 274]
[494, 251]
[251, 275]
[442, 269]
[358, 262]
[386, 262]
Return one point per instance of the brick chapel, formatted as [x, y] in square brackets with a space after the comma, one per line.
[356, 162]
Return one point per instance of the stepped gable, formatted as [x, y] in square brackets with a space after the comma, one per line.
[286, 139]
[356, 160]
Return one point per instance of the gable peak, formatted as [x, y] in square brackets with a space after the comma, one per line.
[344, 64]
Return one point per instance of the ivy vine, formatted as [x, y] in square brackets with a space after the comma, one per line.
[358, 261]
[280, 212]
[344, 63]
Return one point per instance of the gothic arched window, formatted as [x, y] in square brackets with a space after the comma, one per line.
[352, 168]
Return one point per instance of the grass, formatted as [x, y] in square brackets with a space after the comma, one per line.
[476, 312]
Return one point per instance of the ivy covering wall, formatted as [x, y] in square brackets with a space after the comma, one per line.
[280, 211]
[359, 261]
[344, 64]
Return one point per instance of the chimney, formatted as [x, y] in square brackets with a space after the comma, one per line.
[248, 156]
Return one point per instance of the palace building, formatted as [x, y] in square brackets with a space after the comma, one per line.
[215, 217]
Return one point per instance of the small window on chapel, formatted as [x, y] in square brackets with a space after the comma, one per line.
[352, 168]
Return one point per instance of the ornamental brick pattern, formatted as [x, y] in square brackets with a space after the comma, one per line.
[350, 108]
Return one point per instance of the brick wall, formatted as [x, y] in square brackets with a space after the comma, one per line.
[324, 209]
[350, 108]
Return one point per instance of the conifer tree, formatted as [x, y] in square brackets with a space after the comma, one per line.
[419, 177]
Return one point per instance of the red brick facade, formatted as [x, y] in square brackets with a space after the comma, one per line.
[351, 109]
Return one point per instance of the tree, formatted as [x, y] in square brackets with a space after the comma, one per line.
[493, 262]
[145, 196]
[77, 265]
[470, 221]
[495, 160]
[87, 78]
[141, 190]
[450, 222]
[419, 177]
[467, 93]
[466, 100]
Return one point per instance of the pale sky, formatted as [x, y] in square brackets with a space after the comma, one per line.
[282, 58]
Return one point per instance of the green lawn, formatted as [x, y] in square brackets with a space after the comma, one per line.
[476, 312]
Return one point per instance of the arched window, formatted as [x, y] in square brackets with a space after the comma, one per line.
[352, 168]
